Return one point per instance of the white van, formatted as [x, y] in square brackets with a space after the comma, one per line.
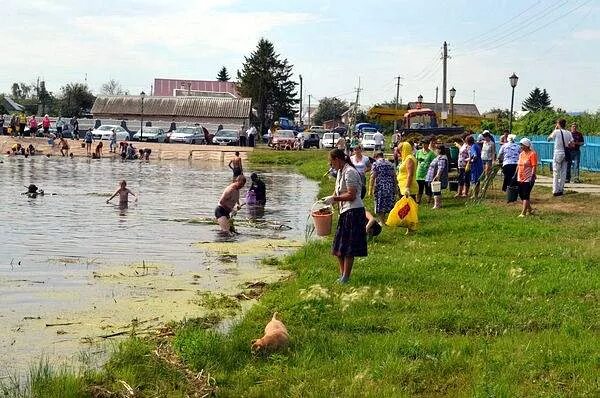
[329, 140]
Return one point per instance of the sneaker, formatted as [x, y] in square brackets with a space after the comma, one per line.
[558, 193]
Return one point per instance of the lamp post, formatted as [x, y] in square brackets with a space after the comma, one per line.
[452, 94]
[142, 95]
[513, 83]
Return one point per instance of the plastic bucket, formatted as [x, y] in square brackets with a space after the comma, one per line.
[512, 193]
[322, 223]
[453, 185]
[436, 186]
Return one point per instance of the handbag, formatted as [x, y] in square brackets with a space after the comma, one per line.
[568, 155]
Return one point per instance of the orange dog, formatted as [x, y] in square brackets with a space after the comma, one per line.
[276, 336]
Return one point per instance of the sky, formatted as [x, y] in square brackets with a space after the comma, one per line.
[335, 45]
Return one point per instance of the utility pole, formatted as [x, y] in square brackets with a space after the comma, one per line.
[358, 90]
[309, 121]
[396, 107]
[436, 98]
[473, 96]
[444, 63]
[300, 99]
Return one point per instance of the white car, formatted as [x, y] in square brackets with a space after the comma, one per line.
[104, 132]
[188, 135]
[367, 142]
[329, 140]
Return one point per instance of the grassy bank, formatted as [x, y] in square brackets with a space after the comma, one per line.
[477, 303]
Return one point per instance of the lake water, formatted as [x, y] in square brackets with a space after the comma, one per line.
[73, 268]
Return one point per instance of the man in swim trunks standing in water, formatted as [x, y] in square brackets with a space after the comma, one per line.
[235, 164]
[230, 199]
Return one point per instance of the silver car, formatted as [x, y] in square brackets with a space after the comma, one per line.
[188, 135]
[150, 134]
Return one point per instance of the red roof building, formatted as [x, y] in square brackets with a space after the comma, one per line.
[200, 88]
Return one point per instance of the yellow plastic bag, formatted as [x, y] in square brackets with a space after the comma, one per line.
[404, 214]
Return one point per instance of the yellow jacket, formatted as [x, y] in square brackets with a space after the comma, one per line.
[406, 152]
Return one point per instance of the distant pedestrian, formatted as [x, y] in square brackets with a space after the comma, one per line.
[488, 152]
[526, 173]
[89, 138]
[576, 145]
[59, 126]
[113, 141]
[46, 124]
[475, 163]
[64, 147]
[75, 127]
[22, 123]
[382, 185]
[33, 126]
[562, 140]
[438, 171]
[172, 127]
[243, 136]
[1, 123]
[504, 137]
[379, 140]
[464, 175]
[424, 158]
[252, 136]
[14, 124]
[509, 157]
[396, 139]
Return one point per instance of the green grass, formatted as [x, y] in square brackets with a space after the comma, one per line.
[477, 303]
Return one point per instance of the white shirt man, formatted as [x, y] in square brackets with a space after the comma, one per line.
[562, 138]
[378, 138]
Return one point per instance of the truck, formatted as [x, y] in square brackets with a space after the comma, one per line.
[424, 121]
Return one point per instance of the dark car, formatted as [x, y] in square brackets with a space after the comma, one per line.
[311, 139]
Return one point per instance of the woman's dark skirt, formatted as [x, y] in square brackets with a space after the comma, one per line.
[351, 236]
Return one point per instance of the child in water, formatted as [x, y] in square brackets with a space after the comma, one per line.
[123, 193]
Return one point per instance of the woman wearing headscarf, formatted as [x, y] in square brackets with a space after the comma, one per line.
[407, 171]
[475, 162]
[351, 236]
[383, 185]
[526, 173]
[509, 156]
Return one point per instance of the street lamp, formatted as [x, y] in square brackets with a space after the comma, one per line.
[142, 95]
[452, 94]
[513, 83]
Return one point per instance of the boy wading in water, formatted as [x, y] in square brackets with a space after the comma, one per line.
[123, 193]
[230, 199]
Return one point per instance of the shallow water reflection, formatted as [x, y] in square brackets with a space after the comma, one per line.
[68, 255]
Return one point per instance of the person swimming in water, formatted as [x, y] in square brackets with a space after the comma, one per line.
[123, 192]
[229, 201]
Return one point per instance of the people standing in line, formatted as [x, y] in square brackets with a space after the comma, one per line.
[243, 136]
[407, 171]
[424, 158]
[259, 189]
[350, 239]
[362, 165]
[438, 171]
[22, 123]
[475, 163]
[379, 140]
[46, 124]
[123, 192]
[113, 141]
[488, 152]
[562, 139]
[526, 174]
[235, 164]
[33, 126]
[230, 200]
[59, 126]
[89, 138]
[576, 145]
[508, 156]
[382, 185]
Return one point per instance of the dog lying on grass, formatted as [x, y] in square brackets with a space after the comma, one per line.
[276, 337]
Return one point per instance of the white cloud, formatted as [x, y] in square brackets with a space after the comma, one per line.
[587, 34]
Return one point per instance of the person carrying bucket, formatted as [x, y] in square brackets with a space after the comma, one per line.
[350, 237]
[437, 176]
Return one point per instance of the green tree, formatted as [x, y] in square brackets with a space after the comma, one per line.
[20, 91]
[112, 87]
[223, 76]
[75, 99]
[537, 101]
[267, 80]
[538, 123]
[329, 109]
[496, 120]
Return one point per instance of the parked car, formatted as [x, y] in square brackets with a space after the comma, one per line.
[151, 134]
[188, 135]
[226, 137]
[283, 139]
[341, 130]
[311, 139]
[104, 132]
[367, 141]
[329, 140]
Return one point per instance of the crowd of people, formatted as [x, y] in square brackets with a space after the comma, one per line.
[422, 170]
